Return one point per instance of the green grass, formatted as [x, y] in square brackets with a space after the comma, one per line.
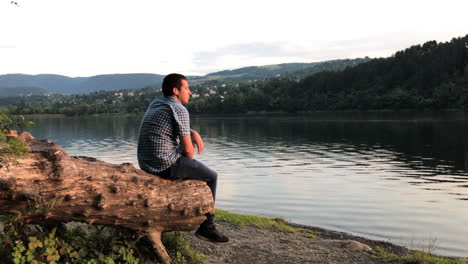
[178, 246]
[416, 258]
[252, 220]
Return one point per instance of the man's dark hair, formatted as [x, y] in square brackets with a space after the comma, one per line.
[170, 81]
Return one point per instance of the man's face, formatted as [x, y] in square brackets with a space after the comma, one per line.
[183, 95]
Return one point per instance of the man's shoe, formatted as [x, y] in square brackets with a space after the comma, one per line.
[211, 234]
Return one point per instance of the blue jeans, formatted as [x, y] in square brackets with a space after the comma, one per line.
[190, 169]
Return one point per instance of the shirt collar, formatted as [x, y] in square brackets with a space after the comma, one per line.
[171, 99]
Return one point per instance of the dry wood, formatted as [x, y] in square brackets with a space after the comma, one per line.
[84, 189]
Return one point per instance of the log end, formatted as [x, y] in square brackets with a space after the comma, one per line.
[25, 136]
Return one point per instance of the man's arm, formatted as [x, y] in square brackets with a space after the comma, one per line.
[197, 141]
[187, 146]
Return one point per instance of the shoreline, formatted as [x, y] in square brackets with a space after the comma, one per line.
[254, 242]
[256, 239]
[272, 113]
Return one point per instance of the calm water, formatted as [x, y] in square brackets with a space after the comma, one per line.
[401, 178]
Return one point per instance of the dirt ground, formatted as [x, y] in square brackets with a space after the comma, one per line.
[250, 244]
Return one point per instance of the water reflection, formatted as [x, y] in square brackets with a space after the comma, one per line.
[432, 152]
[388, 177]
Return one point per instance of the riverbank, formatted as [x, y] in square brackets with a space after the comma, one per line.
[253, 239]
[260, 240]
[355, 115]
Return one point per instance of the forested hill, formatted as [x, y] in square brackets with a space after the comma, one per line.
[53, 83]
[13, 91]
[428, 76]
[293, 70]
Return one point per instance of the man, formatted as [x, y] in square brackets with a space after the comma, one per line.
[166, 145]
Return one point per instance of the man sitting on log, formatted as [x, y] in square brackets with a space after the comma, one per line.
[166, 145]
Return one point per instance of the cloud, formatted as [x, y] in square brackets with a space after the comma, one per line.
[253, 50]
[262, 53]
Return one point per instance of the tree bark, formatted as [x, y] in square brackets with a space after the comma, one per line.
[84, 189]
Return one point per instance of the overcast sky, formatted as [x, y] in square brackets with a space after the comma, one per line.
[90, 37]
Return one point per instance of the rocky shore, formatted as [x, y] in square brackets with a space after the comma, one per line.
[250, 243]
[254, 244]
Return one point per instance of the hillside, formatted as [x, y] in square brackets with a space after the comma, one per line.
[50, 82]
[293, 70]
[67, 85]
[113, 82]
[428, 76]
[431, 76]
[15, 91]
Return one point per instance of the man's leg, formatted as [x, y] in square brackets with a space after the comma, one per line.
[191, 169]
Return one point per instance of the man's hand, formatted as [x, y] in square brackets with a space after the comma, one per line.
[197, 141]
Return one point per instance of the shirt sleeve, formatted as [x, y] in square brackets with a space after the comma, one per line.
[182, 120]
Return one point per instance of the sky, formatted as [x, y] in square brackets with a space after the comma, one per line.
[91, 37]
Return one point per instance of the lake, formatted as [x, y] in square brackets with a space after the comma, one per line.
[397, 177]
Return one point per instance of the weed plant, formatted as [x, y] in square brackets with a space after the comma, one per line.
[415, 258]
[11, 145]
[22, 243]
[275, 223]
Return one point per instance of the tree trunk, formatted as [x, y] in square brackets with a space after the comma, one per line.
[87, 190]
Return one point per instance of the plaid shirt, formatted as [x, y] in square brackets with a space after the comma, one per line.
[158, 147]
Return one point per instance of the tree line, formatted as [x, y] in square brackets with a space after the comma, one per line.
[430, 76]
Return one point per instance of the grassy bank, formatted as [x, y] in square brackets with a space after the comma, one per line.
[419, 257]
[273, 223]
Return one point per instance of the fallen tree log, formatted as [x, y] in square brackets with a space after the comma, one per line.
[84, 189]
